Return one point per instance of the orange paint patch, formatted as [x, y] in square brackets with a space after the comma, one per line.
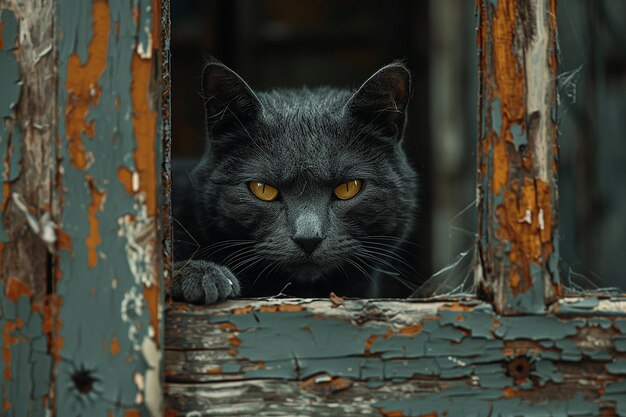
[235, 341]
[395, 413]
[525, 220]
[281, 307]
[6, 192]
[82, 86]
[152, 295]
[8, 340]
[228, 327]
[457, 307]
[125, 177]
[132, 413]
[115, 346]
[214, 371]
[16, 288]
[369, 343]
[64, 240]
[509, 392]
[243, 310]
[510, 85]
[145, 125]
[411, 330]
[93, 238]
[514, 280]
[500, 164]
[325, 387]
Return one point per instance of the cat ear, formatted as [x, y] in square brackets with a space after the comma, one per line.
[229, 102]
[381, 101]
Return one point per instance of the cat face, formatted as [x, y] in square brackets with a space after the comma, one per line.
[308, 174]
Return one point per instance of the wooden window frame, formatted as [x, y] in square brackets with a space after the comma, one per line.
[85, 252]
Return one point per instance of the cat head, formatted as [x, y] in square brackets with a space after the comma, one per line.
[311, 176]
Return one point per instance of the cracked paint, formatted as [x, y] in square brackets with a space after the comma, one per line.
[517, 156]
[87, 214]
[471, 357]
[24, 349]
[110, 207]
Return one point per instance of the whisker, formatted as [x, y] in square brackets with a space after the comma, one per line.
[360, 268]
[390, 255]
[226, 244]
[397, 275]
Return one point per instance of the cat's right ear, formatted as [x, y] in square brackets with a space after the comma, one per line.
[381, 102]
[229, 102]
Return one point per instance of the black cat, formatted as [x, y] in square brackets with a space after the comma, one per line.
[300, 191]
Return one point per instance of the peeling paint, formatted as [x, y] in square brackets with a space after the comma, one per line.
[110, 154]
[518, 235]
[473, 359]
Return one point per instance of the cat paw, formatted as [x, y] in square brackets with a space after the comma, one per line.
[203, 282]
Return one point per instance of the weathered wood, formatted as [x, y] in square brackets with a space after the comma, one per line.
[517, 262]
[394, 358]
[108, 272]
[27, 169]
[80, 207]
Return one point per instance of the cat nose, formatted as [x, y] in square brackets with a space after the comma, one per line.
[308, 244]
[308, 231]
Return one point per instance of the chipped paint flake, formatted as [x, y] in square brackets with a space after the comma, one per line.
[140, 249]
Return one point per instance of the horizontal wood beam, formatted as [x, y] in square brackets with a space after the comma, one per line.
[394, 358]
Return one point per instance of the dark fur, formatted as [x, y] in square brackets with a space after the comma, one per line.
[305, 143]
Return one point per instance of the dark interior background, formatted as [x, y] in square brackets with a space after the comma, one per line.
[274, 43]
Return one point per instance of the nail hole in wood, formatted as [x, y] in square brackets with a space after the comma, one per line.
[519, 369]
[83, 380]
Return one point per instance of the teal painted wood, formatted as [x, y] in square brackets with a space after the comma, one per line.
[109, 266]
[395, 358]
[81, 206]
[518, 243]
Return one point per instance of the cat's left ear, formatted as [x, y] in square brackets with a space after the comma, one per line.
[228, 100]
[381, 101]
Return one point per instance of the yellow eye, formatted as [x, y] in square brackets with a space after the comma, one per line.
[349, 189]
[263, 191]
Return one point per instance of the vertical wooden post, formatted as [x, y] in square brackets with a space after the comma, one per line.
[81, 269]
[109, 265]
[517, 249]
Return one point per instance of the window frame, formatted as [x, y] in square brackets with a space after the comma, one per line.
[85, 140]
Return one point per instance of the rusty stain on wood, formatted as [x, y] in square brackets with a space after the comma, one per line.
[83, 88]
[93, 238]
[517, 266]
